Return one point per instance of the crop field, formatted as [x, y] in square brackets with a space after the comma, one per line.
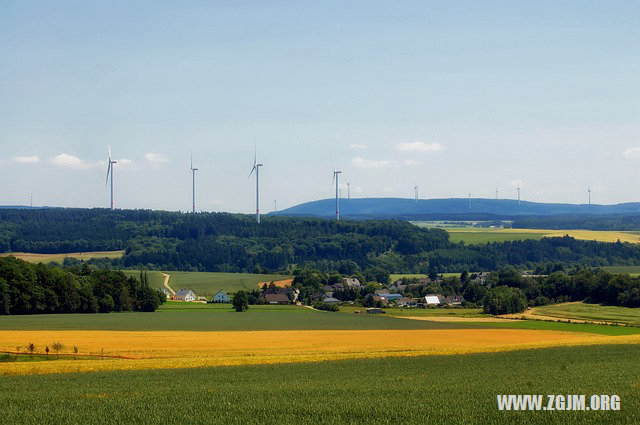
[590, 313]
[47, 258]
[477, 235]
[633, 271]
[411, 390]
[207, 283]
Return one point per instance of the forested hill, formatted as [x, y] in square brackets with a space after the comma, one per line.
[455, 208]
[234, 243]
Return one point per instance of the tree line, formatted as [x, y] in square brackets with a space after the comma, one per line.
[38, 288]
[223, 242]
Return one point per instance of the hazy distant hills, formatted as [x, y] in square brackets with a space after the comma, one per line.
[453, 208]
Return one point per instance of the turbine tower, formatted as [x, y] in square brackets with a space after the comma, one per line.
[256, 168]
[518, 196]
[589, 190]
[336, 181]
[496, 193]
[469, 201]
[348, 189]
[193, 185]
[415, 192]
[110, 174]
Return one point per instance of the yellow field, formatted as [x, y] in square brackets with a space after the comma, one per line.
[120, 350]
[587, 235]
[47, 258]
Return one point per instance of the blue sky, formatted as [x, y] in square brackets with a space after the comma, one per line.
[454, 96]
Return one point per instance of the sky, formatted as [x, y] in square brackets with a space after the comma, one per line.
[456, 97]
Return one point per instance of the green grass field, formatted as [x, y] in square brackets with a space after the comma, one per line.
[633, 271]
[591, 312]
[478, 237]
[206, 283]
[418, 390]
[211, 317]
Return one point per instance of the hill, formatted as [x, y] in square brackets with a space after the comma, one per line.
[451, 209]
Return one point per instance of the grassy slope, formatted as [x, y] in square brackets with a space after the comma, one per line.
[591, 312]
[203, 317]
[207, 284]
[435, 389]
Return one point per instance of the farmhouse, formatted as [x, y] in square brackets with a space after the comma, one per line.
[454, 300]
[221, 297]
[277, 299]
[432, 299]
[166, 293]
[351, 282]
[407, 302]
[185, 295]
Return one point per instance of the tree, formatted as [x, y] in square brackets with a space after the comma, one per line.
[505, 300]
[57, 347]
[241, 301]
[31, 347]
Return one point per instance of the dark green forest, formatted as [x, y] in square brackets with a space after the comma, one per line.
[619, 222]
[223, 242]
[38, 288]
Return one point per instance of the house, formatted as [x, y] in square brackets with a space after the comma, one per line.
[185, 295]
[166, 293]
[375, 311]
[351, 282]
[330, 300]
[221, 297]
[378, 298]
[277, 299]
[407, 302]
[432, 299]
[454, 300]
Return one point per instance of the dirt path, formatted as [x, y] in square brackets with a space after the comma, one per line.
[166, 283]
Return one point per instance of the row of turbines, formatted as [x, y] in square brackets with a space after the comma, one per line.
[256, 169]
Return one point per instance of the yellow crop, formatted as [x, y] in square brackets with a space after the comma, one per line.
[121, 350]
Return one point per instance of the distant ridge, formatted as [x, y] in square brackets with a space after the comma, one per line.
[451, 209]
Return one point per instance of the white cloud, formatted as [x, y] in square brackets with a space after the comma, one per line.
[154, 157]
[26, 159]
[357, 147]
[411, 162]
[632, 153]
[70, 161]
[373, 163]
[419, 147]
[388, 189]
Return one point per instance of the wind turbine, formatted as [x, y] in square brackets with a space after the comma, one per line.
[469, 201]
[496, 193]
[518, 196]
[110, 174]
[336, 181]
[348, 189]
[589, 190]
[256, 168]
[193, 185]
[415, 192]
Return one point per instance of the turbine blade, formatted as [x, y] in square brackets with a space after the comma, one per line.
[108, 171]
[109, 149]
[252, 170]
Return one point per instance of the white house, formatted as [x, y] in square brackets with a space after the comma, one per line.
[166, 293]
[221, 297]
[432, 299]
[185, 295]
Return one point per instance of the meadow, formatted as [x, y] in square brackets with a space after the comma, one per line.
[59, 258]
[481, 235]
[208, 283]
[411, 390]
[590, 313]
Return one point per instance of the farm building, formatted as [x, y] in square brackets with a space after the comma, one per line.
[407, 302]
[330, 300]
[277, 299]
[185, 295]
[454, 300]
[351, 282]
[221, 297]
[432, 299]
[166, 293]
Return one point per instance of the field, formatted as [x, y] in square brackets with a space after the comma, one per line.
[411, 390]
[47, 258]
[633, 271]
[589, 313]
[206, 283]
[478, 235]
[283, 364]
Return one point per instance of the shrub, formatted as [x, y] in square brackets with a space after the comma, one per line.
[326, 306]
